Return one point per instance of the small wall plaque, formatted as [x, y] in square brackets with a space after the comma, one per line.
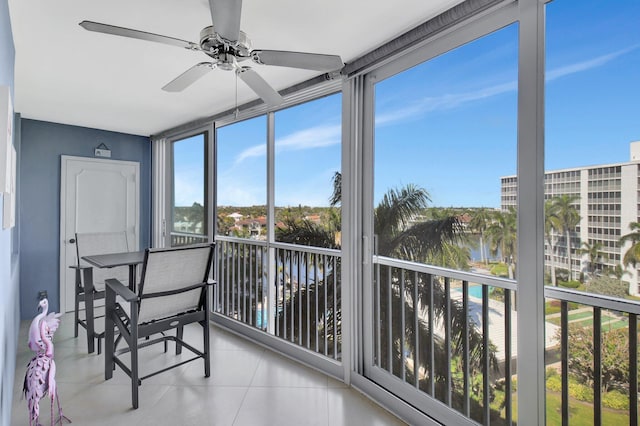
[103, 151]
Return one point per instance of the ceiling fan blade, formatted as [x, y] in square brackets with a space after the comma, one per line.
[225, 15]
[308, 61]
[141, 35]
[260, 86]
[188, 77]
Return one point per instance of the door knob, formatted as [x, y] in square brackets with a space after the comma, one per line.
[72, 241]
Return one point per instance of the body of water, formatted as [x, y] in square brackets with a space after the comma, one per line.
[474, 250]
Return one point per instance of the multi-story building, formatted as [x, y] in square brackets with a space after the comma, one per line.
[607, 198]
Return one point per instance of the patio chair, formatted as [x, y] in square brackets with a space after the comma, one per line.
[173, 292]
[90, 281]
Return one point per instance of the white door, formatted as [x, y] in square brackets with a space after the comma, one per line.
[96, 195]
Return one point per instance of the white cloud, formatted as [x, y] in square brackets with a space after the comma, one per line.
[586, 65]
[450, 101]
[314, 137]
[443, 102]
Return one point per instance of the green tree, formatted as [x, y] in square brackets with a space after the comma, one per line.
[615, 272]
[594, 253]
[567, 220]
[503, 236]
[550, 225]
[614, 362]
[608, 286]
[632, 255]
[400, 236]
[480, 221]
[336, 195]
[224, 224]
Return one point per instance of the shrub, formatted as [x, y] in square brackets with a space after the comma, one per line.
[550, 372]
[499, 401]
[496, 293]
[569, 284]
[616, 400]
[608, 286]
[550, 309]
[580, 392]
[500, 270]
[554, 383]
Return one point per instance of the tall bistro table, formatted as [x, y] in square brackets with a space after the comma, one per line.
[131, 259]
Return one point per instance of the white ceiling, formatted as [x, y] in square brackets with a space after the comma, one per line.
[68, 75]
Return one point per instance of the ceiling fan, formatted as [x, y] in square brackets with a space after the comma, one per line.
[228, 47]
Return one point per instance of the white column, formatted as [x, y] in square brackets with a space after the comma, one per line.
[158, 185]
[530, 278]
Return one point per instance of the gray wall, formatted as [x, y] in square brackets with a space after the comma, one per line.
[9, 253]
[42, 145]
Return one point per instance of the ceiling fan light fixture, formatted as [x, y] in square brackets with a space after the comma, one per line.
[227, 62]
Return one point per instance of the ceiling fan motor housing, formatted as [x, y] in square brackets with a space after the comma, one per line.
[214, 45]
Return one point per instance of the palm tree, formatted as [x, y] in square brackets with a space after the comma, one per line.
[551, 225]
[480, 221]
[594, 253]
[503, 236]
[399, 236]
[336, 195]
[632, 255]
[567, 219]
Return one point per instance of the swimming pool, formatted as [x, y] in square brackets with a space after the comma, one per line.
[475, 290]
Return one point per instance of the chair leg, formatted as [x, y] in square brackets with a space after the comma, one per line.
[205, 332]
[77, 304]
[134, 355]
[109, 334]
[134, 375]
[179, 334]
[207, 360]
[88, 306]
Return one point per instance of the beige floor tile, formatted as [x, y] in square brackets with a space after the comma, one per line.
[249, 385]
[283, 407]
[349, 408]
[275, 370]
[194, 406]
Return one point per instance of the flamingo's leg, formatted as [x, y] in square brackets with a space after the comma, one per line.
[61, 416]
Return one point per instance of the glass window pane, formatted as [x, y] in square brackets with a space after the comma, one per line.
[591, 142]
[592, 205]
[445, 140]
[241, 157]
[444, 167]
[307, 159]
[189, 224]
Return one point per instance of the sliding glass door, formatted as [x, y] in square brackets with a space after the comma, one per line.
[438, 319]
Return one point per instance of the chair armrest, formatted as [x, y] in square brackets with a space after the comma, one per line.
[121, 290]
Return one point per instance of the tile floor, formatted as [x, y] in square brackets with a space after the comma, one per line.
[249, 385]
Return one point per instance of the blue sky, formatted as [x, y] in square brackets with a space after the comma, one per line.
[449, 125]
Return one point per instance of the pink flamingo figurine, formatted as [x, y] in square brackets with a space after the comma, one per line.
[41, 370]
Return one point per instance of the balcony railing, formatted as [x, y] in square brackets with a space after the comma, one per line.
[598, 351]
[446, 335]
[442, 339]
[187, 238]
[300, 304]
